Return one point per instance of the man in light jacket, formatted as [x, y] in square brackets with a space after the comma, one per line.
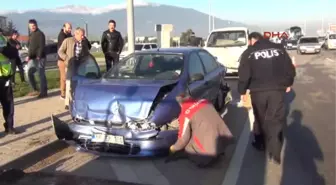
[64, 33]
[72, 50]
[203, 135]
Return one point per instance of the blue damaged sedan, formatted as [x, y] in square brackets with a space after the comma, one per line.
[131, 110]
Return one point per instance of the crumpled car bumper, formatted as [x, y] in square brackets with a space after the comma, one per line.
[115, 141]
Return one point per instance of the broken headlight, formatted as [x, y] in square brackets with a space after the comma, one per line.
[141, 125]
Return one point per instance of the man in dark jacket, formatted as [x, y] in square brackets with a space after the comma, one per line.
[64, 33]
[16, 45]
[284, 42]
[193, 40]
[267, 71]
[203, 135]
[36, 60]
[112, 44]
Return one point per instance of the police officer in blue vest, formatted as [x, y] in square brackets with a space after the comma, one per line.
[267, 71]
[6, 91]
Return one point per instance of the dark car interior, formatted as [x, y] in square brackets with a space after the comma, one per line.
[159, 67]
[149, 66]
[51, 48]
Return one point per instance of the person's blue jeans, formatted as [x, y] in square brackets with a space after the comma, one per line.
[32, 67]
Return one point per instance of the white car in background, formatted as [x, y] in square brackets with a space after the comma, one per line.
[227, 45]
[308, 45]
[51, 55]
[330, 41]
[137, 47]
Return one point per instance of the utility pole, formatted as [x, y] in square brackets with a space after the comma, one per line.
[130, 25]
[86, 30]
[213, 22]
[209, 15]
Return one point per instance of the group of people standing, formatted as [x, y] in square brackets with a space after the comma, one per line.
[71, 49]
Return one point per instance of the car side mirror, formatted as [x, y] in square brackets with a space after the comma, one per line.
[196, 77]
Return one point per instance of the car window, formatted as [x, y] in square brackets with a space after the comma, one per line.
[147, 46]
[309, 40]
[88, 68]
[195, 65]
[227, 38]
[154, 46]
[209, 62]
[50, 49]
[138, 47]
[148, 66]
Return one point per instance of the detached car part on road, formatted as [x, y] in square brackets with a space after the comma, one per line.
[132, 110]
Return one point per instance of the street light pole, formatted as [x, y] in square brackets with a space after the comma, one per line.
[86, 30]
[85, 27]
[305, 26]
[213, 22]
[130, 25]
[209, 16]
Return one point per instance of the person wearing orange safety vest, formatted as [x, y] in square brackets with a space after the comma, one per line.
[6, 91]
[203, 135]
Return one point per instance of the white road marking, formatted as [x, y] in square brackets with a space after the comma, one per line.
[232, 174]
[331, 60]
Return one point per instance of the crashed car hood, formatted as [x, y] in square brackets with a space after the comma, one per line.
[117, 101]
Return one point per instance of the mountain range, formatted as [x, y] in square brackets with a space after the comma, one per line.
[146, 15]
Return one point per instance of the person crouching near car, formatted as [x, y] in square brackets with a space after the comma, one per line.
[202, 135]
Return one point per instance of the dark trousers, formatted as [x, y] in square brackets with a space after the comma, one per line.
[111, 59]
[270, 118]
[7, 103]
[17, 63]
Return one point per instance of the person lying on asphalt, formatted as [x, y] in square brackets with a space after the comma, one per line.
[203, 135]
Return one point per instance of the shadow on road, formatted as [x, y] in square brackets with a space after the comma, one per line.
[308, 154]
[28, 100]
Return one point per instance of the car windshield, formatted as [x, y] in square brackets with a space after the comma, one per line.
[137, 47]
[227, 39]
[333, 36]
[321, 39]
[149, 66]
[309, 40]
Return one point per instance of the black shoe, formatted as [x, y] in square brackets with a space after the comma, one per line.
[6, 129]
[258, 142]
[66, 107]
[42, 96]
[258, 146]
[11, 131]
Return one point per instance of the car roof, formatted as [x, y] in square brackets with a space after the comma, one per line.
[230, 28]
[308, 37]
[143, 43]
[177, 50]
